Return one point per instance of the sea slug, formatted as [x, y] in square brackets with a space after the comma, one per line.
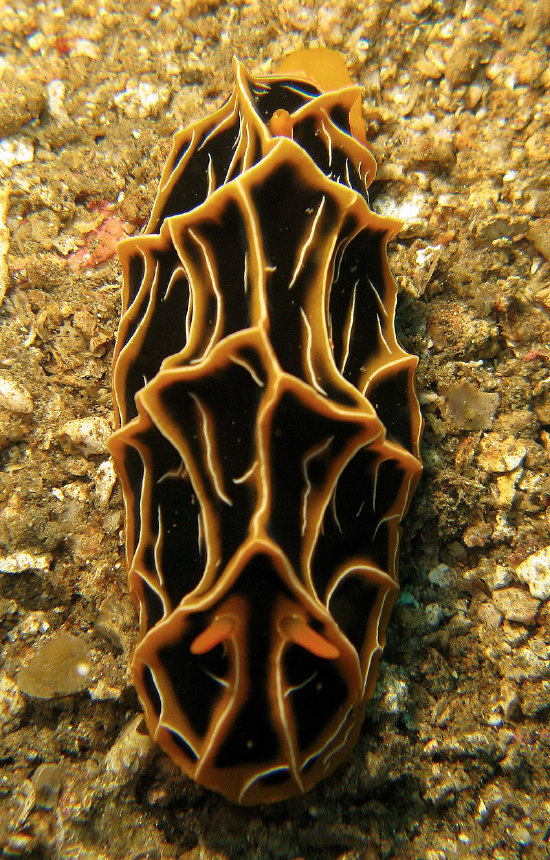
[267, 435]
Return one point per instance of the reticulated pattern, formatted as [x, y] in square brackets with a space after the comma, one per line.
[268, 436]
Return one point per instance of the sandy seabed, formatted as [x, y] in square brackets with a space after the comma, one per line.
[454, 758]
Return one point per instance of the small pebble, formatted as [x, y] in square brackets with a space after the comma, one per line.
[8, 607]
[31, 625]
[21, 561]
[90, 434]
[521, 835]
[47, 783]
[509, 699]
[539, 234]
[468, 407]
[105, 481]
[60, 667]
[488, 804]
[499, 577]
[13, 396]
[516, 605]
[500, 455]
[142, 100]
[11, 700]
[489, 616]
[15, 151]
[108, 621]
[130, 751]
[434, 615]
[395, 697]
[441, 575]
[535, 571]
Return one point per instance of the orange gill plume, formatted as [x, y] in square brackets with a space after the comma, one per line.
[267, 435]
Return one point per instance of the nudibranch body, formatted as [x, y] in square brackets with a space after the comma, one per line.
[268, 435]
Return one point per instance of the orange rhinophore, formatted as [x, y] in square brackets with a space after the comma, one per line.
[268, 435]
